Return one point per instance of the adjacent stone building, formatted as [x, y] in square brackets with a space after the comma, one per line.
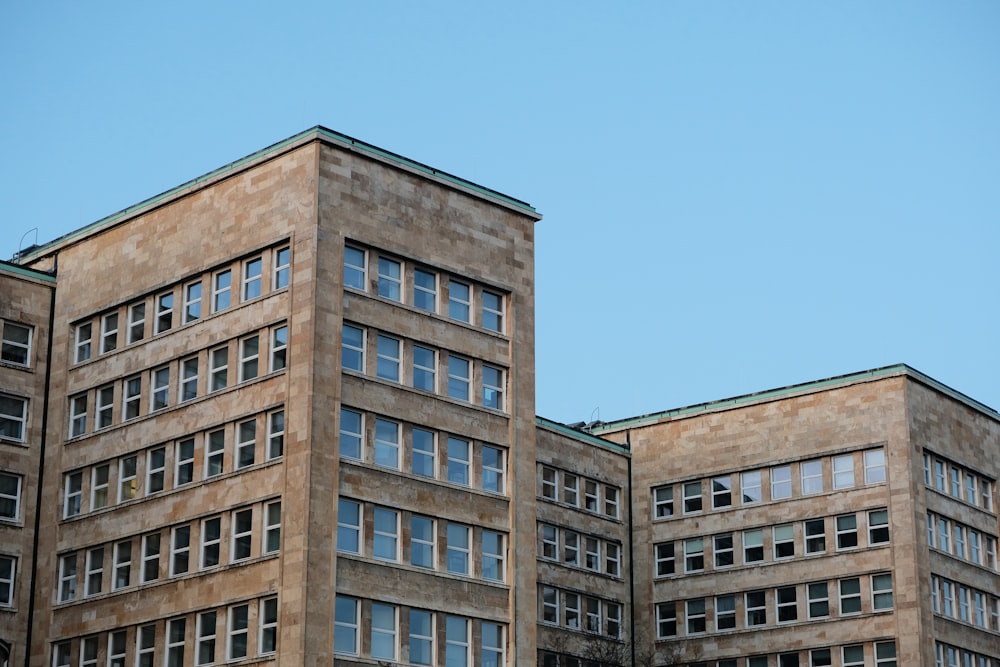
[285, 414]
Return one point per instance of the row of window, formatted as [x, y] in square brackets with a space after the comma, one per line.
[8, 572]
[426, 453]
[13, 417]
[782, 542]
[10, 497]
[581, 492]
[880, 654]
[777, 483]
[576, 611]
[787, 604]
[415, 636]
[201, 638]
[966, 604]
[15, 343]
[572, 549]
[230, 537]
[184, 303]
[419, 366]
[202, 456]
[177, 382]
[958, 481]
[946, 655]
[423, 288]
[961, 541]
[403, 537]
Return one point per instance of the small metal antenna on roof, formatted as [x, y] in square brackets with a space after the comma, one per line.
[20, 244]
[597, 412]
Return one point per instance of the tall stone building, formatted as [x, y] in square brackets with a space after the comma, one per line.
[284, 414]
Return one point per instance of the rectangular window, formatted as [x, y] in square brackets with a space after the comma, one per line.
[725, 612]
[815, 535]
[784, 541]
[351, 432]
[387, 360]
[189, 380]
[132, 398]
[222, 284]
[592, 553]
[272, 527]
[180, 549]
[89, 647]
[459, 461]
[67, 577]
[722, 548]
[422, 533]
[550, 542]
[493, 387]
[692, 497]
[664, 553]
[853, 656]
[878, 527]
[663, 502]
[205, 651]
[72, 494]
[850, 596]
[874, 466]
[571, 489]
[282, 268]
[571, 548]
[251, 278]
[666, 620]
[268, 642]
[387, 443]
[457, 644]
[421, 637]
[550, 605]
[944, 535]
[164, 313]
[819, 600]
[781, 482]
[493, 645]
[975, 547]
[150, 557]
[352, 349]
[176, 631]
[939, 475]
[249, 357]
[109, 333]
[105, 406]
[885, 654]
[122, 575]
[275, 435]
[117, 647]
[963, 601]
[424, 368]
[239, 629]
[386, 534]
[722, 492]
[612, 559]
[78, 415]
[159, 388]
[384, 632]
[549, 487]
[348, 526]
[755, 608]
[459, 549]
[948, 595]
[425, 290]
[955, 483]
[13, 417]
[882, 591]
[971, 493]
[192, 302]
[127, 474]
[786, 603]
[246, 443]
[10, 497]
[99, 483]
[215, 453]
[82, 346]
[611, 501]
[16, 347]
[494, 469]
[750, 487]
[355, 268]
[986, 495]
[820, 657]
[847, 531]
[211, 542]
[459, 301]
[811, 473]
[843, 471]
[242, 535]
[694, 555]
[459, 377]
[184, 462]
[219, 369]
[136, 322]
[959, 533]
[753, 546]
[95, 571]
[279, 348]
[423, 457]
[694, 614]
[492, 311]
[390, 279]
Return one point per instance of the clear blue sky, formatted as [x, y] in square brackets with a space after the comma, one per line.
[737, 195]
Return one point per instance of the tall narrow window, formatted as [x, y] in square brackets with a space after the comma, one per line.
[239, 628]
[878, 527]
[818, 599]
[348, 526]
[843, 471]
[784, 541]
[494, 470]
[350, 434]
[189, 379]
[282, 267]
[664, 554]
[847, 531]
[722, 492]
[725, 612]
[67, 577]
[16, 347]
[222, 287]
[180, 549]
[268, 642]
[205, 651]
[13, 418]
[591, 498]
[184, 462]
[346, 624]
[132, 396]
[164, 312]
[82, 347]
[211, 542]
[882, 592]
[692, 497]
[492, 311]
[423, 456]
[387, 443]
[385, 540]
[459, 549]
[192, 302]
[425, 290]
[105, 406]
[459, 461]
[122, 575]
[145, 645]
[159, 389]
[246, 443]
[750, 487]
[815, 536]
[352, 348]
[421, 541]
[457, 642]
[10, 497]
[874, 466]
[850, 596]
[424, 368]
[383, 632]
[666, 620]
[663, 502]
[612, 559]
[275, 435]
[279, 348]
[781, 482]
[388, 358]
[694, 555]
[421, 637]
[811, 473]
[755, 608]
[215, 453]
[272, 527]
[722, 549]
[109, 333]
[459, 301]
[73, 494]
[95, 571]
[251, 278]
[219, 368]
[753, 546]
[176, 632]
[78, 415]
[150, 557]
[242, 535]
[694, 614]
[390, 279]
[117, 647]
[571, 548]
[611, 501]
[136, 322]
[127, 478]
[459, 377]
[494, 556]
[99, 482]
[787, 606]
[355, 268]
[549, 489]
[493, 645]
[249, 357]
[493, 387]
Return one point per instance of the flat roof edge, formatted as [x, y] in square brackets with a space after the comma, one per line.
[317, 132]
[25, 272]
[896, 370]
[562, 429]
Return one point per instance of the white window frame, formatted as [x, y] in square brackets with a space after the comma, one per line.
[725, 618]
[390, 283]
[494, 387]
[750, 481]
[459, 378]
[881, 588]
[218, 373]
[104, 407]
[78, 415]
[611, 506]
[666, 617]
[345, 527]
[281, 275]
[100, 486]
[550, 486]
[252, 278]
[192, 302]
[459, 463]
[272, 527]
[132, 398]
[494, 469]
[849, 596]
[695, 619]
[275, 435]
[222, 290]
[211, 543]
[246, 444]
[73, 494]
[691, 498]
[494, 555]
[663, 501]
[761, 608]
[694, 549]
[387, 443]
[136, 322]
[238, 632]
[82, 341]
[843, 533]
[458, 304]
[811, 477]
[205, 642]
[187, 389]
[279, 348]
[781, 482]
[458, 645]
[419, 544]
[352, 270]
[109, 332]
[494, 643]
[15, 351]
[353, 348]
[815, 542]
[786, 539]
[720, 553]
[422, 292]
[159, 389]
[352, 624]
[241, 542]
[145, 644]
[183, 462]
[425, 642]
[67, 577]
[722, 492]
[384, 627]
[612, 559]
[128, 478]
[570, 547]
[352, 437]
[818, 593]
[493, 313]
[94, 572]
[164, 320]
[388, 357]
[180, 550]
[843, 471]
[117, 648]
[156, 471]
[664, 556]
[14, 426]
[385, 534]
[875, 466]
[424, 368]
[151, 543]
[267, 638]
[757, 544]
[459, 552]
[121, 576]
[785, 607]
[249, 362]
[176, 636]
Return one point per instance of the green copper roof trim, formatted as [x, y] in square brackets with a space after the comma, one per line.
[580, 435]
[319, 131]
[7, 267]
[797, 389]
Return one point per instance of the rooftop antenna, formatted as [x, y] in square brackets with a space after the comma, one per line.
[20, 244]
